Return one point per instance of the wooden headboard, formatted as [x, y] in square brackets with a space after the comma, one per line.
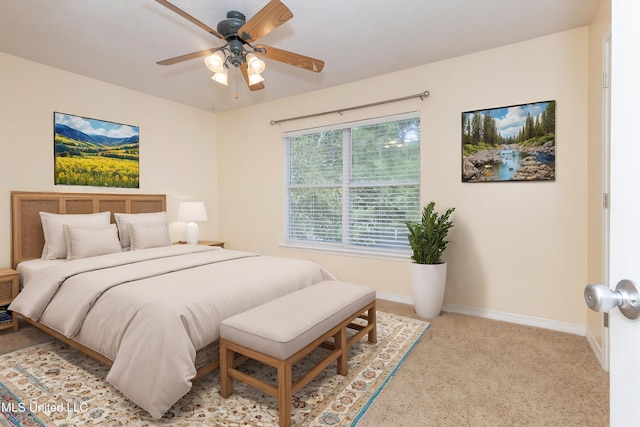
[27, 238]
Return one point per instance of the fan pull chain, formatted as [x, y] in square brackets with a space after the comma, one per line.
[237, 83]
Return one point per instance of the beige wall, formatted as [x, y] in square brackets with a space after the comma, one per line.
[599, 27]
[517, 247]
[177, 143]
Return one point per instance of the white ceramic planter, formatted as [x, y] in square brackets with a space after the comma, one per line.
[428, 284]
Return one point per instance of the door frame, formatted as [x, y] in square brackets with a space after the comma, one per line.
[624, 205]
[606, 185]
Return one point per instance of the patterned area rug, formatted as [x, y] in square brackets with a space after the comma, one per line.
[51, 384]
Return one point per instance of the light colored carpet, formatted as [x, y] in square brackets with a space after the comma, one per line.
[469, 371]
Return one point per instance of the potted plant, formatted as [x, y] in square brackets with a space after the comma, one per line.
[428, 272]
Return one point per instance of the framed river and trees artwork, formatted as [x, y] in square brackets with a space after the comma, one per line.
[95, 153]
[514, 143]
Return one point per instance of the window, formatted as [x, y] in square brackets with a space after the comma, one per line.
[353, 186]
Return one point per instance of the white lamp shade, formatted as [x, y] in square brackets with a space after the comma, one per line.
[192, 211]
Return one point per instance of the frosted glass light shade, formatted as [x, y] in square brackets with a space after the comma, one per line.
[255, 78]
[215, 61]
[255, 63]
[221, 77]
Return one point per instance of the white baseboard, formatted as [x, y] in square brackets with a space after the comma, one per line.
[498, 315]
[394, 298]
[519, 319]
[597, 350]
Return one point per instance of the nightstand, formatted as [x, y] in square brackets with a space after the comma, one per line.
[204, 242]
[211, 243]
[9, 288]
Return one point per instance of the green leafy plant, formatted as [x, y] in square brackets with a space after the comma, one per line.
[428, 237]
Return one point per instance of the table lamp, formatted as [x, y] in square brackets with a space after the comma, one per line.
[192, 212]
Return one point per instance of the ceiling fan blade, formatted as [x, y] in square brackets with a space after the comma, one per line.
[188, 56]
[190, 18]
[290, 58]
[245, 74]
[274, 14]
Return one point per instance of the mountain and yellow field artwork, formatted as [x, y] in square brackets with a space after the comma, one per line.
[95, 153]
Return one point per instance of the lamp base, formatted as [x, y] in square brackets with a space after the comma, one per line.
[192, 233]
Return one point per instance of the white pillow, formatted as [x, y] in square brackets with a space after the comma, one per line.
[123, 220]
[55, 246]
[88, 242]
[143, 236]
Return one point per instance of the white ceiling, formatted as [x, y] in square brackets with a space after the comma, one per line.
[120, 41]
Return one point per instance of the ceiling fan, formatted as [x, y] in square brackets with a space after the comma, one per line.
[238, 51]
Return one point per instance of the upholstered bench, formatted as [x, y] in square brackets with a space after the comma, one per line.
[283, 331]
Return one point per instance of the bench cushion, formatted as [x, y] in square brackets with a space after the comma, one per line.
[285, 325]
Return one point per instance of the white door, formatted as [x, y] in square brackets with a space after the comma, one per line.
[624, 240]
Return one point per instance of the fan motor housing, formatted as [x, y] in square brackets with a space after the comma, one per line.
[230, 26]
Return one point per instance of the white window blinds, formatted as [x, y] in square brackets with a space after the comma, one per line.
[354, 185]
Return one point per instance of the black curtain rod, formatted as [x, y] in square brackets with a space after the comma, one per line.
[421, 95]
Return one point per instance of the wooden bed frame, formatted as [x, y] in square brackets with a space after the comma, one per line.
[27, 239]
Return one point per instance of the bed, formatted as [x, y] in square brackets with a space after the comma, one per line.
[149, 309]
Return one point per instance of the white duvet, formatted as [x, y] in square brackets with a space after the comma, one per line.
[150, 311]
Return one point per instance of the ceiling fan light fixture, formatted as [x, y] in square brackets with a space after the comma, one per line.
[255, 78]
[221, 77]
[215, 61]
[255, 64]
[237, 33]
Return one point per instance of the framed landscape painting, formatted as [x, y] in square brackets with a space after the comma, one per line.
[95, 152]
[514, 143]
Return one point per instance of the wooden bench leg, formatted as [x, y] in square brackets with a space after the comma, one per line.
[226, 362]
[371, 319]
[341, 346]
[285, 381]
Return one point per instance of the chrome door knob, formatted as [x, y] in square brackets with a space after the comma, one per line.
[626, 297]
